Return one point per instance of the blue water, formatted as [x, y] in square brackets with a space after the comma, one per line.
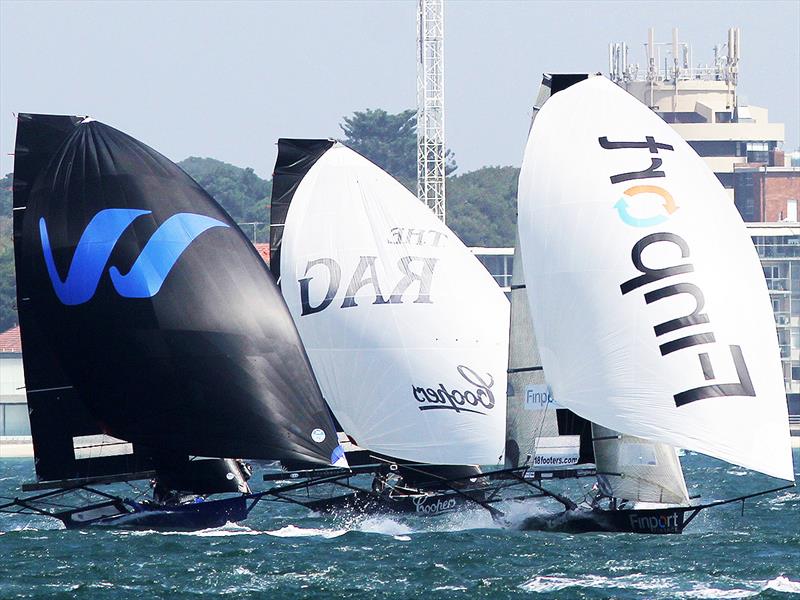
[285, 552]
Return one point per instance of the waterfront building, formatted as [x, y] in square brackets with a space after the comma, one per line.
[766, 193]
[499, 262]
[15, 429]
[702, 103]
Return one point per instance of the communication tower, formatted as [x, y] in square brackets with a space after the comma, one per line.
[430, 105]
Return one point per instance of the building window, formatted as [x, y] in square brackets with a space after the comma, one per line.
[758, 152]
[791, 210]
[14, 419]
[682, 117]
[714, 148]
[744, 196]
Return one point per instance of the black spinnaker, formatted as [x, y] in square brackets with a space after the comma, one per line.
[151, 328]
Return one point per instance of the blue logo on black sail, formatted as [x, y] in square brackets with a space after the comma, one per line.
[149, 270]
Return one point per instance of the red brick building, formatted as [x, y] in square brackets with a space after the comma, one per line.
[767, 194]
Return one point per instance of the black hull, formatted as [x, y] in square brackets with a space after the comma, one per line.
[127, 514]
[424, 505]
[585, 520]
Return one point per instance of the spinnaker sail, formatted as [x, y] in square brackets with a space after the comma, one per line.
[406, 330]
[166, 328]
[650, 309]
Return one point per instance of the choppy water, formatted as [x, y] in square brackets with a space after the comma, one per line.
[285, 552]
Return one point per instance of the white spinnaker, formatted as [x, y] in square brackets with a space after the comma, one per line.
[379, 364]
[599, 346]
[637, 469]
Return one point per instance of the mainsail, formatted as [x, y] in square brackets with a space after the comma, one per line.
[163, 327]
[650, 307]
[538, 431]
[637, 469]
[405, 329]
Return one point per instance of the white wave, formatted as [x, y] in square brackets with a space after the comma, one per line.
[402, 527]
[516, 512]
[36, 524]
[455, 588]
[402, 538]
[736, 472]
[232, 529]
[294, 531]
[779, 584]
[784, 497]
[543, 584]
[783, 584]
[229, 529]
[709, 592]
[552, 583]
[461, 520]
[383, 525]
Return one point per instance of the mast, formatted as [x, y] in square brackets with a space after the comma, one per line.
[430, 106]
[538, 430]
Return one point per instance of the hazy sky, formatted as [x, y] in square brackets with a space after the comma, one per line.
[227, 79]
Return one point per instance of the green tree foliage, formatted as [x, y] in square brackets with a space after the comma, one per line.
[8, 313]
[6, 197]
[390, 141]
[241, 192]
[8, 293]
[482, 206]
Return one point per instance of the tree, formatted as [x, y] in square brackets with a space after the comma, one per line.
[390, 141]
[8, 294]
[8, 313]
[6, 196]
[482, 206]
[242, 193]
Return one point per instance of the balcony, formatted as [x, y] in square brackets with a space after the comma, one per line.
[778, 284]
[778, 250]
[782, 319]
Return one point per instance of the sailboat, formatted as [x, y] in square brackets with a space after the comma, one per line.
[406, 331]
[555, 443]
[156, 345]
[649, 306]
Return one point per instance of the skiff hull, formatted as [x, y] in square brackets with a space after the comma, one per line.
[127, 514]
[650, 521]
